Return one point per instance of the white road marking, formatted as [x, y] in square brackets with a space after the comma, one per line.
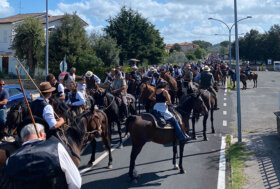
[225, 94]
[225, 90]
[225, 98]
[224, 123]
[224, 112]
[102, 157]
[225, 104]
[222, 166]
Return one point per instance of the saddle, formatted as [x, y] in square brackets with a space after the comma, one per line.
[158, 123]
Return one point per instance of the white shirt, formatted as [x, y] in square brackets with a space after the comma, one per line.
[79, 97]
[82, 89]
[48, 114]
[72, 174]
[60, 89]
[97, 79]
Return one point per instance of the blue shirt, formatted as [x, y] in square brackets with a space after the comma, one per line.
[3, 95]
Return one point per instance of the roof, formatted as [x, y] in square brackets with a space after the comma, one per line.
[169, 46]
[20, 17]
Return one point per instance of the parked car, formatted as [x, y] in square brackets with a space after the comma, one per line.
[15, 95]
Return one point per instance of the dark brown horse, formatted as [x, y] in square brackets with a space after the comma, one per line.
[143, 130]
[145, 91]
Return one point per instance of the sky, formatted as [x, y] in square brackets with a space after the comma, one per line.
[177, 20]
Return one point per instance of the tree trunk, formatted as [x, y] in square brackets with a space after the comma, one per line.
[31, 64]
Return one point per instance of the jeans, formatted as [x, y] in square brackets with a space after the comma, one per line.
[178, 130]
[3, 118]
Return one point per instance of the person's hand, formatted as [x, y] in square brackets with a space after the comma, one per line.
[61, 120]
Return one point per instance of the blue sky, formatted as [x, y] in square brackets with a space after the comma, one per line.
[177, 20]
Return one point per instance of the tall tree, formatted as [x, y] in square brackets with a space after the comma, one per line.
[272, 43]
[176, 57]
[199, 53]
[202, 44]
[105, 48]
[69, 39]
[136, 36]
[29, 42]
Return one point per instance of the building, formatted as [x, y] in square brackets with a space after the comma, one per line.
[7, 34]
[184, 46]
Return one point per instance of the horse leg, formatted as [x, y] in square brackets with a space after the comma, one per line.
[182, 145]
[107, 144]
[174, 154]
[93, 149]
[204, 127]
[212, 121]
[136, 149]
[120, 134]
[193, 127]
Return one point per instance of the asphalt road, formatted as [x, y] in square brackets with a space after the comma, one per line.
[154, 163]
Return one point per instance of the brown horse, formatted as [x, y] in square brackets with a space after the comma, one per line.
[145, 91]
[143, 130]
[253, 76]
[172, 84]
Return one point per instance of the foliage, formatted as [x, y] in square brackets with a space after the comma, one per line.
[190, 55]
[105, 48]
[176, 47]
[223, 51]
[199, 53]
[202, 44]
[29, 42]
[136, 36]
[224, 44]
[176, 57]
[69, 39]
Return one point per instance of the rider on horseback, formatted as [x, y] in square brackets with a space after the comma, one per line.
[59, 88]
[163, 99]
[76, 99]
[206, 82]
[119, 90]
[188, 77]
[248, 69]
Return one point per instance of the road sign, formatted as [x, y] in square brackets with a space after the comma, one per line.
[63, 66]
[61, 76]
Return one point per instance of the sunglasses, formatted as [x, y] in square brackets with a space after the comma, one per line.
[2, 84]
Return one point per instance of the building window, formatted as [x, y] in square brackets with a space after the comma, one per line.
[5, 65]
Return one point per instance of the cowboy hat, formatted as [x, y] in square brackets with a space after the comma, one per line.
[134, 67]
[206, 68]
[152, 69]
[45, 87]
[89, 74]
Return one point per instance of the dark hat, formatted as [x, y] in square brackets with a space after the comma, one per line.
[45, 87]
[156, 74]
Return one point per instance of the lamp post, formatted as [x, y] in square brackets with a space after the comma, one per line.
[229, 31]
[47, 39]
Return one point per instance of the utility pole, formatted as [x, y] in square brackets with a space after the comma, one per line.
[47, 39]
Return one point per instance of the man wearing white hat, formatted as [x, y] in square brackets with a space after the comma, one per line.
[206, 82]
[135, 74]
[91, 80]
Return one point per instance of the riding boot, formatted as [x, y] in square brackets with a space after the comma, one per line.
[216, 104]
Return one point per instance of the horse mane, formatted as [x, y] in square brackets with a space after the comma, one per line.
[185, 102]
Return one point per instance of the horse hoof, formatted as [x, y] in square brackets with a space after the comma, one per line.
[182, 171]
[90, 163]
[194, 137]
[213, 131]
[120, 146]
[176, 167]
[205, 139]
[110, 167]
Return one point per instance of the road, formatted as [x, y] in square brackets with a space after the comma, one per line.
[154, 163]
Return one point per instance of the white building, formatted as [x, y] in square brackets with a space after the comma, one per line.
[7, 26]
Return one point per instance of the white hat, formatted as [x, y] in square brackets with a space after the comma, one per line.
[89, 74]
[134, 67]
[206, 68]
[152, 69]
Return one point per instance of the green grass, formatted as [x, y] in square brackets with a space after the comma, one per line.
[237, 155]
[229, 86]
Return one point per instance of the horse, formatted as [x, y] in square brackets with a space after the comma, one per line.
[145, 91]
[232, 75]
[172, 84]
[217, 75]
[143, 130]
[244, 77]
[223, 76]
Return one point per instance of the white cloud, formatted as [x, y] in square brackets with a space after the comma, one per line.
[180, 20]
[5, 8]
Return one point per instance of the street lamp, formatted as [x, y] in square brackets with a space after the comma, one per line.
[229, 31]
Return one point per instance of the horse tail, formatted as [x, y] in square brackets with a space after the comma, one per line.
[127, 123]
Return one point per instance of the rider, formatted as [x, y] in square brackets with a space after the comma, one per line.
[248, 69]
[119, 88]
[4, 95]
[76, 99]
[163, 99]
[188, 77]
[156, 79]
[92, 79]
[206, 82]
[135, 74]
[42, 109]
[109, 77]
[59, 88]
[41, 163]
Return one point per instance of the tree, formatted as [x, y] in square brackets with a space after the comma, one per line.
[176, 47]
[199, 53]
[176, 57]
[105, 48]
[69, 39]
[29, 42]
[190, 55]
[224, 44]
[202, 44]
[271, 42]
[137, 37]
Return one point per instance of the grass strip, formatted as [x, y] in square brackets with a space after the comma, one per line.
[237, 154]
